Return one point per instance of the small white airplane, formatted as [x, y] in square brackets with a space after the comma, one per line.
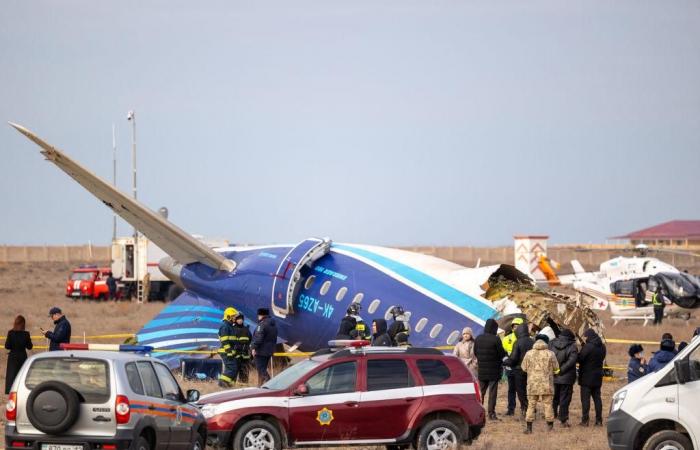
[625, 285]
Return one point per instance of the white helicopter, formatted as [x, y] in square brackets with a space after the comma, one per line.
[625, 285]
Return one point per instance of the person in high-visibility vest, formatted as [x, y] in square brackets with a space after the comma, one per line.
[658, 302]
[226, 351]
[508, 343]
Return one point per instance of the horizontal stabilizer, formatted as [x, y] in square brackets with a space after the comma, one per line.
[578, 268]
[173, 240]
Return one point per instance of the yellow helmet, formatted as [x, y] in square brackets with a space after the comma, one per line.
[230, 313]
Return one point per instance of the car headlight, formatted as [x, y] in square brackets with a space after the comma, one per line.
[617, 401]
[208, 410]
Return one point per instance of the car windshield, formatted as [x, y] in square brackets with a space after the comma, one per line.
[292, 374]
[75, 276]
[90, 377]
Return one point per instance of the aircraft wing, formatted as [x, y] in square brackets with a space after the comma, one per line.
[173, 240]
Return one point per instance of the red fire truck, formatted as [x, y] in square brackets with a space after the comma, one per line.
[88, 282]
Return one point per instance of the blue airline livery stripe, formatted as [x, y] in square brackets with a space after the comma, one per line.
[190, 308]
[454, 296]
[143, 337]
[171, 321]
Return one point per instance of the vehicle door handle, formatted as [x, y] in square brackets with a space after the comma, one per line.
[411, 399]
[351, 403]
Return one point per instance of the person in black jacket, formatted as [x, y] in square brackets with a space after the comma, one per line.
[380, 337]
[523, 344]
[348, 323]
[241, 347]
[590, 376]
[17, 342]
[489, 354]
[61, 331]
[564, 348]
[263, 346]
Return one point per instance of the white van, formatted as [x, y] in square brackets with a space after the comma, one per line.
[660, 411]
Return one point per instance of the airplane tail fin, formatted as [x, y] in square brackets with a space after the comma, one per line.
[173, 240]
[577, 266]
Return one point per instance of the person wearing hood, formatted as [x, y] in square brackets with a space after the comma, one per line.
[489, 355]
[637, 366]
[666, 353]
[541, 365]
[241, 347]
[347, 323]
[264, 342]
[380, 337]
[564, 348]
[590, 377]
[523, 344]
[464, 350]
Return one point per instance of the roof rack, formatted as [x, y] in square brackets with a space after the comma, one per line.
[384, 350]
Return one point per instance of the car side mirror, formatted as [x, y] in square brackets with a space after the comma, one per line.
[192, 395]
[682, 367]
[302, 389]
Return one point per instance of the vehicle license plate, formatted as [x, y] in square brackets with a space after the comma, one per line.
[74, 294]
[61, 447]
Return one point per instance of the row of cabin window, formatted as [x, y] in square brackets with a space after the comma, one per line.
[434, 332]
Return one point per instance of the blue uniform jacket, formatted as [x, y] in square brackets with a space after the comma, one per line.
[636, 370]
[60, 334]
[265, 337]
[660, 359]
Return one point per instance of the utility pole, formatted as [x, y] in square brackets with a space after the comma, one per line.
[114, 178]
[131, 116]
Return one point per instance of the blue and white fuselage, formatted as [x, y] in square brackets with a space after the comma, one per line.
[440, 297]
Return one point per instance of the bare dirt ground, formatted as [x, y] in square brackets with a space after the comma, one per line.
[31, 289]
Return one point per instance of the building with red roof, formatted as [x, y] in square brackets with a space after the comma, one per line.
[676, 233]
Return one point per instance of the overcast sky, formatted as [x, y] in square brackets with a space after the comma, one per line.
[382, 122]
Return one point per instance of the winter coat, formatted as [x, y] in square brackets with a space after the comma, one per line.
[241, 342]
[540, 364]
[590, 360]
[381, 337]
[464, 350]
[489, 352]
[225, 339]
[396, 327]
[636, 370]
[564, 348]
[523, 344]
[660, 359]
[60, 334]
[265, 337]
[17, 342]
[347, 326]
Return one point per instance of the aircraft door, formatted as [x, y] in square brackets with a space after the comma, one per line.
[285, 285]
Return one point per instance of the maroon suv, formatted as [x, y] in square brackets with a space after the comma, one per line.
[357, 396]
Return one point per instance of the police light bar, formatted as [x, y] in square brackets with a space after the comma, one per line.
[335, 343]
[109, 347]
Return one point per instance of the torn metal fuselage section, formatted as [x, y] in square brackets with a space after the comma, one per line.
[541, 308]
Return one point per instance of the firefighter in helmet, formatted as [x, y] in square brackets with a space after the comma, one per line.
[226, 351]
[398, 331]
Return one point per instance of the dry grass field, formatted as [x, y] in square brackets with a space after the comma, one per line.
[31, 289]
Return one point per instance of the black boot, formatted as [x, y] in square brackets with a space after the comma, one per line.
[550, 426]
[598, 423]
[584, 423]
[492, 416]
[565, 424]
[528, 430]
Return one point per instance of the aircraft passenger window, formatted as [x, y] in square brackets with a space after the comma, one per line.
[309, 282]
[452, 338]
[421, 324]
[358, 297]
[373, 306]
[387, 314]
[341, 293]
[436, 330]
[325, 287]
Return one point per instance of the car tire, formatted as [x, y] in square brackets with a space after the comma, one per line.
[668, 439]
[441, 433]
[53, 407]
[198, 442]
[141, 443]
[257, 432]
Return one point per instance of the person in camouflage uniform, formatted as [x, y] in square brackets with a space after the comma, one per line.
[540, 364]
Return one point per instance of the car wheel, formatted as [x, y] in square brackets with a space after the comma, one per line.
[198, 443]
[668, 440]
[53, 407]
[439, 435]
[141, 444]
[257, 435]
